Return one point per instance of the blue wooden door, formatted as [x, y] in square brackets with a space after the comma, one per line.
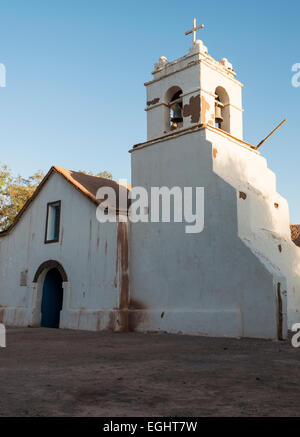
[52, 299]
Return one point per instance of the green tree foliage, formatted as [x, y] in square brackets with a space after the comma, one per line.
[14, 192]
[104, 174]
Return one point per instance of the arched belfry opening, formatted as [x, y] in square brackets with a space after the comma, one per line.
[173, 99]
[222, 116]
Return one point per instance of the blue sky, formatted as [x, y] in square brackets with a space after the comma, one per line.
[76, 69]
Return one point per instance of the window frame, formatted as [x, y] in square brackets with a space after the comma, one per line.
[49, 204]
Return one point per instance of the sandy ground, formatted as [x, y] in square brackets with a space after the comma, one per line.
[49, 372]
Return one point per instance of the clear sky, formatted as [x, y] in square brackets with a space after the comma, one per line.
[76, 69]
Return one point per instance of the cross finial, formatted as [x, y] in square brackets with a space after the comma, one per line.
[194, 30]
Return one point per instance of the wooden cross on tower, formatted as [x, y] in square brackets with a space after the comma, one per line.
[194, 30]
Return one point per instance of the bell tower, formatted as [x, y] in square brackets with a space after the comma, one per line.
[229, 277]
[194, 90]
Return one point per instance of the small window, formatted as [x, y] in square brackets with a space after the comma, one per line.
[52, 222]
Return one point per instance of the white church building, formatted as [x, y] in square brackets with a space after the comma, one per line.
[239, 277]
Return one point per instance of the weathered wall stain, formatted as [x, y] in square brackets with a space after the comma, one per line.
[99, 322]
[153, 102]
[135, 318]
[90, 241]
[111, 326]
[117, 266]
[128, 318]
[122, 262]
[62, 236]
[78, 318]
[215, 152]
[192, 109]
[212, 120]
[280, 315]
[1, 315]
[204, 107]
[98, 236]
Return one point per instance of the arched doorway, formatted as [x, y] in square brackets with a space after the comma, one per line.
[52, 299]
[39, 281]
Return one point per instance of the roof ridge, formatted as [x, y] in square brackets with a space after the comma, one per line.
[87, 191]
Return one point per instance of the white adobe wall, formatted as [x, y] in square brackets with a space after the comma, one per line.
[87, 250]
[213, 283]
[263, 216]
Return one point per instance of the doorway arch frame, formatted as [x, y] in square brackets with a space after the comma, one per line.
[38, 284]
[48, 265]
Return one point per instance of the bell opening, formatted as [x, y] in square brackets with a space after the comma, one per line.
[218, 113]
[176, 119]
[222, 109]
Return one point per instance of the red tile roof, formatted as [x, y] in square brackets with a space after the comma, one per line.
[295, 234]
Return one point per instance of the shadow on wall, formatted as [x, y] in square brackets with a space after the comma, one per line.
[213, 270]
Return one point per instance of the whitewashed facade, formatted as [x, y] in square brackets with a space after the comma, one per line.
[88, 253]
[239, 277]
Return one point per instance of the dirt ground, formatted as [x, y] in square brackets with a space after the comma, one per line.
[51, 372]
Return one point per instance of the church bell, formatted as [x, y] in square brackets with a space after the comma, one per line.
[177, 114]
[218, 112]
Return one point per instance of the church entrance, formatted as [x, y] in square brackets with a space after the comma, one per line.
[52, 299]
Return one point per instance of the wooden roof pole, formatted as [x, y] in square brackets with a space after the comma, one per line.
[273, 131]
